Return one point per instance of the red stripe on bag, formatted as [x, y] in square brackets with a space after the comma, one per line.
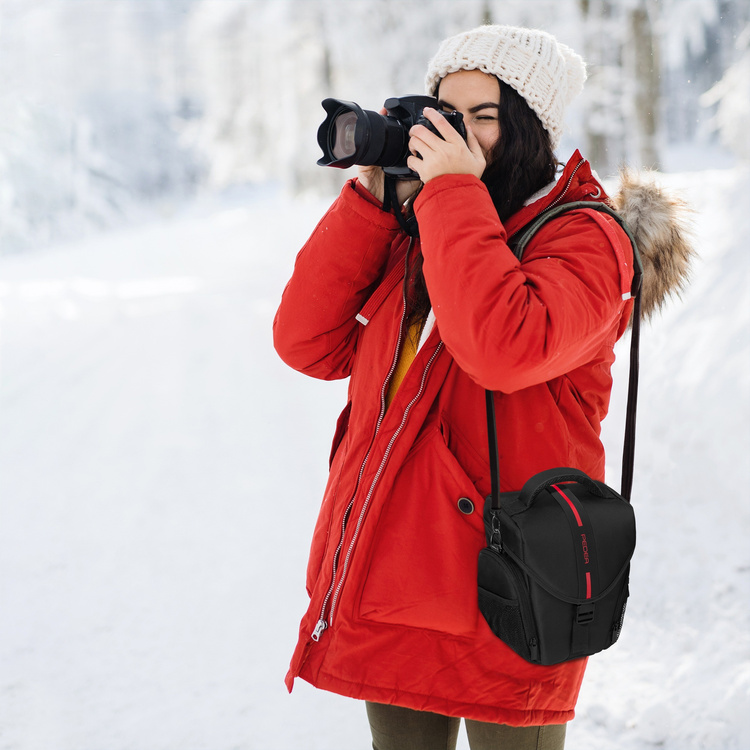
[584, 547]
[570, 503]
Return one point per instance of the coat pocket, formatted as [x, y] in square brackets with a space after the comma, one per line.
[342, 424]
[422, 569]
[322, 533]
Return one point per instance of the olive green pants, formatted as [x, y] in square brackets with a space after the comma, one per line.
[397, 728]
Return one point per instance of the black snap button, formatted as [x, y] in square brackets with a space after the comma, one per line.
[465, 505]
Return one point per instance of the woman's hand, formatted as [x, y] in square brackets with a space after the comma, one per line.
[447, 155]
[373, 180]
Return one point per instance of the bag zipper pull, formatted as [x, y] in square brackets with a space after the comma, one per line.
[534, 648]
[495, 538]
[319, 628]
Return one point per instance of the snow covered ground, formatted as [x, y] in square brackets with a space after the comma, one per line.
[160, 471]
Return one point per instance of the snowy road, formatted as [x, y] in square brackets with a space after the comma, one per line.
[160, 470]
[150, 444]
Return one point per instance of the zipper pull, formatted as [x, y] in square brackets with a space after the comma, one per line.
[319, 628]
[534, 648]
[496, 542]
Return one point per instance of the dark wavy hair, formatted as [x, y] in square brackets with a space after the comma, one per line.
[521, 162]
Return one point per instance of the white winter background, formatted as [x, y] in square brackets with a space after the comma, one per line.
[160, 468]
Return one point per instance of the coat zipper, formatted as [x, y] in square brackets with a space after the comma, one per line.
[332, 595]
[378, 473]
[322, 624]
[567, 187]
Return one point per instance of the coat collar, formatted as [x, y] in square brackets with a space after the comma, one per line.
[576, 182]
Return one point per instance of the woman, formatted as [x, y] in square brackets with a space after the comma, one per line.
[421, 328]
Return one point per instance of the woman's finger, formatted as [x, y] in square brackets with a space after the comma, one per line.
[446, 130]
[415, 164]
[422, 146]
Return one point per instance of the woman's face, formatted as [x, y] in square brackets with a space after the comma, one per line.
[476, 95]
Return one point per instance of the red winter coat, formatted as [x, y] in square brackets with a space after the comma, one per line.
[393, 616]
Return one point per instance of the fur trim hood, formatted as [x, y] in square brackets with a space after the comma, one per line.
[662, 226]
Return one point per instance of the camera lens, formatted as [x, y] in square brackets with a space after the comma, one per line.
[344, 128]
[351, 135]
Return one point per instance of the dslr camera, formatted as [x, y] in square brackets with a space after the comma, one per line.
[351, 135]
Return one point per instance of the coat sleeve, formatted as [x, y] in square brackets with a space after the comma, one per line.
[315, 329]
[509, 324]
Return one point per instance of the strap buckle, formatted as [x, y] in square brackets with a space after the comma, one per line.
[585, 614]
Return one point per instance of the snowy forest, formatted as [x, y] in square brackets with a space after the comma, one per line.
[161, 469]
[111, 107]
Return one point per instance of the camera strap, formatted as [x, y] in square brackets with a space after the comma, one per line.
[391, 205]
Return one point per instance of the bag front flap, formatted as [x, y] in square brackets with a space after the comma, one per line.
[573, 541]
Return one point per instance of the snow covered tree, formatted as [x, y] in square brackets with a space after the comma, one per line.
[109, 104]
[86, 133]
[732, 97]
[603, 96]
[699, 41]
[643, 61]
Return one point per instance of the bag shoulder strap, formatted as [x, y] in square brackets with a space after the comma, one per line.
[518, 243]
[521, 237]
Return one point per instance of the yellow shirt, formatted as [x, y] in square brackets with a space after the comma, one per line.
[406, 356]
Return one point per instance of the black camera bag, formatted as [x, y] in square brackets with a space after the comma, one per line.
[556, 585]
[553, 579]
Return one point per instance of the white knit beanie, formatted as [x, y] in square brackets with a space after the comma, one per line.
[547, 74]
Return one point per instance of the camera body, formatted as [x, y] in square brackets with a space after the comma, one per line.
[351, 135]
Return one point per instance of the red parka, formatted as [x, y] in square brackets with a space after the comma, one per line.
[393, 614]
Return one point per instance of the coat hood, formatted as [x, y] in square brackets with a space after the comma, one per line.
[662, 226]
[660, 222]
